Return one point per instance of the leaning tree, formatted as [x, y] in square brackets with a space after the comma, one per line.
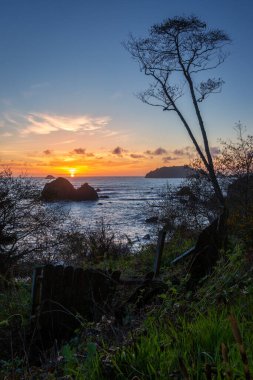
[173, 54]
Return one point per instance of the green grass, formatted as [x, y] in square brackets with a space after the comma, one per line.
[139, 264]
[157, 352]
[15, 301]
[179, 337]
[184, 334]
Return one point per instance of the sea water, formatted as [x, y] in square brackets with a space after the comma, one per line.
[123, 204]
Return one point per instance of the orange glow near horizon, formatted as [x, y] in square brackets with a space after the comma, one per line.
[103, 163]
[106, 167]
[70, 146]
[72, 172]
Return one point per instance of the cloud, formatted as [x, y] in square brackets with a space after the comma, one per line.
[79, 151]
[47, 152]
[64, 142]
[179, 152]
[188, 151]
[118, 151]
[134, 155]
[157, 152]
[43, 124]
[10, 119]
[169, 159]
[6, 134]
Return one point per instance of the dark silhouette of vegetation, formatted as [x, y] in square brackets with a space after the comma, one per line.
[27, 227]
[172, 55]
[235, 167]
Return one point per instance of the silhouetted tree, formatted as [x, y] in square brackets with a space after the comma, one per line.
[172, 55]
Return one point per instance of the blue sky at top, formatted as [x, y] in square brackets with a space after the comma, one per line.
[65, 57]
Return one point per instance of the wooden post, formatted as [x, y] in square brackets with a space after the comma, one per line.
[36, 290]
[159, 250]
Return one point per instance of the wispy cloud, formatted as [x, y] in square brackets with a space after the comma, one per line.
[6, 134]
[47, 152]
[157, 152]
[79, 151]
[169, 159]
[187, 151]
[136, 156]
[64, 142]
[43, 124]
[190, 151]
[118, 151]
[10, 119]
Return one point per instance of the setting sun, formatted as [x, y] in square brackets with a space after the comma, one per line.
[72, 172]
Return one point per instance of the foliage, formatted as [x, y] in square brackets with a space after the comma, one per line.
[73, 366]
[182, 332]
[15, 301]
[193, 204]
[236, 158]
[166, 350]
[231, 280]
[26, 225]
[187, 333]
[90, 246]
[235, 165]
[102, 242]
[188, 211]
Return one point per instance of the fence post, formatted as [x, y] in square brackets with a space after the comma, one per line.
[159, 250]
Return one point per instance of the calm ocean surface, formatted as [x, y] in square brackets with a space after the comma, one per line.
[125, 209]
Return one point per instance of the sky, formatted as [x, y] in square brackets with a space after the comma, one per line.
[68, 87]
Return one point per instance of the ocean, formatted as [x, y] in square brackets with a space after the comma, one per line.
[123, 204]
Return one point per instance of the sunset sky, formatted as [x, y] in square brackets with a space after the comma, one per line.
[67, 86]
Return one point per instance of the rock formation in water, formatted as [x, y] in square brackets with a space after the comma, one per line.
[170, 172]
[62, 190]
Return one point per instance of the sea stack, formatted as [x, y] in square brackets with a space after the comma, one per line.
[62, 190]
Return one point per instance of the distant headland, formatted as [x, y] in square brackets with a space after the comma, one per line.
[170, 172]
